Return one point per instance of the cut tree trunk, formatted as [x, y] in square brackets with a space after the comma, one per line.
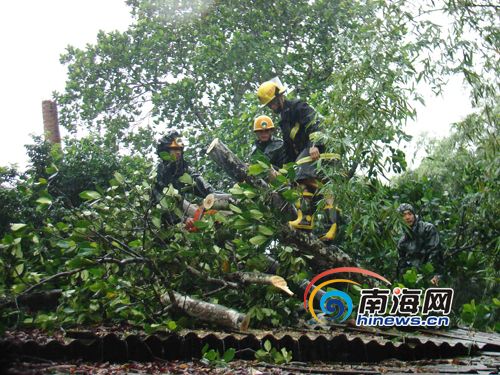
[188, 208]
[233, 166]
[238, 170]
[217, 201]
[323, 255]
[261, 278]
[209, 312]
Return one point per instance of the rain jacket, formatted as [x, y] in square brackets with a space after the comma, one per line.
[419, 245]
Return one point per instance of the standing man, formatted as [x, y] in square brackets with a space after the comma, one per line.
[172, 166]
[419, 243]
[298, 123]
[265, 143]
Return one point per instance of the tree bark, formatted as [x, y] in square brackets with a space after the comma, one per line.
[209, 312]
[260, 278]
[233, 166]
[189, 208]
[323, 255]
[217, 201]
[238, 170]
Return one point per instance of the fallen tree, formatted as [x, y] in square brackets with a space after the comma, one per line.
[322, 255]
[208, 312]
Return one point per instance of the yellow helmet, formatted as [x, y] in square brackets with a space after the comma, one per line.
[176, 143]
[269, 90]
[263, 123]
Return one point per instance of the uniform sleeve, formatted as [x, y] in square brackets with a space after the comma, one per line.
[162, 180]
[432, 247]
[431, 237]
[202, 188]
[309, 119]
[401, 256]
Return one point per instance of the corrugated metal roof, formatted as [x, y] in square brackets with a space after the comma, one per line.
[339, 344]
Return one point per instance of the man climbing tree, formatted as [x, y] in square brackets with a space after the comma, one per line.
[419, 243]
[298, 123]
[170, 170]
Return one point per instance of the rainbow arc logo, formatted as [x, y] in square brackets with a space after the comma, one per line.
[335, 303]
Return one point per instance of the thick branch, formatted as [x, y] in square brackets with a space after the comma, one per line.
[261, 278]
[188, 208]
[323, 256]
[217, 201]
[209, 312]
[238, 170]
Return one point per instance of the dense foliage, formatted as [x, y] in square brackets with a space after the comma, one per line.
[82, 219]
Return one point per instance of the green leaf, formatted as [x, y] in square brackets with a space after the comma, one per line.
[20, 268]
[186, 179]
[241, 223]
[291, 195]
[17, 226]
[204, 349]
[255, 169]
[258, 240]
[164, 155]
[119, 178]
[266, 231]
[410, 277]
[249, 194]
[267, 345]
[79, 262]
[156, 221]
[201, 224]
[256, 214]
[229, 355]
[233, 208]
[65, 244]
[236, 190]
[44, 200]
[135, 243]
[89, 195]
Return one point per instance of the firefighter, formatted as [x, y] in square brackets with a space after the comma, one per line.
[419, 243]
[298, 123]
[266, 143]
[171, 168]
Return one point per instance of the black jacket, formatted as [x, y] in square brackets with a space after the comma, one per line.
[298, 121]
[272, 149]
[420, 245]
[168, 172]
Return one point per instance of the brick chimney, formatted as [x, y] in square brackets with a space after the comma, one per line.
[50, 122]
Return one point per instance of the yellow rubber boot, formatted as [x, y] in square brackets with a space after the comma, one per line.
[305, 219]
[333, 216]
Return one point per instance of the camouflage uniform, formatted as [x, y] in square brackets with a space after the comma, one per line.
[419, 245]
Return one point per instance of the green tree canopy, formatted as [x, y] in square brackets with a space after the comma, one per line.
[194, 66]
